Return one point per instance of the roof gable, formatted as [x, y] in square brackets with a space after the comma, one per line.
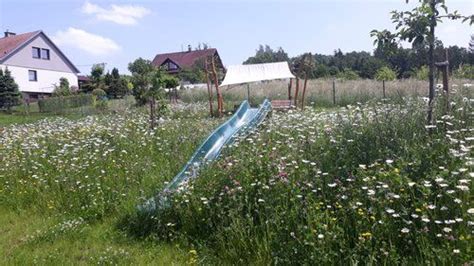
[9, 46]
[184, 59]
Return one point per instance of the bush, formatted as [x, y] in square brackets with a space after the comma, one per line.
[347, 74]
[9, 93]
[63, 89]
[99, 93]
[385, 73]
[464, 72]
[422, 73]
[61, 104]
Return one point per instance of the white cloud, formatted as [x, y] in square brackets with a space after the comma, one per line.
[85, 41]
[120, 14]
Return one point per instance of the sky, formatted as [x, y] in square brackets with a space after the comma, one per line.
[118, 32]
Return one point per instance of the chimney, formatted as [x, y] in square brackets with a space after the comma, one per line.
[8, 33]
[189, 48]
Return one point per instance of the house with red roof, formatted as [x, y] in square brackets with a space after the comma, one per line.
[35, 63]
[175, 62]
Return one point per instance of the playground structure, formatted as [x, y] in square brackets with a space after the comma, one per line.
[243, 121]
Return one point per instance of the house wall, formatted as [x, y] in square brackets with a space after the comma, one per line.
[24, 57]
[46, 79]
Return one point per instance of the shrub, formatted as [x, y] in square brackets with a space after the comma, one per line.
[464, 72]
[385, 73]
[9, 93]
[422, 73]
[63, 89]
[99, 93]
[348, 74]
[61, 104]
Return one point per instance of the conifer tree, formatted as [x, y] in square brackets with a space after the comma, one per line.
[9, 93]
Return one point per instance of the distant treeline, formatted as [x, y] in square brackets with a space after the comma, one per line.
[404, 62]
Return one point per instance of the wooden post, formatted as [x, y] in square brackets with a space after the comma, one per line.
[27, 103]
[209, 89]
[152, 113]
[304, 90]
[297, 91]
[446, 77]
[334, 91]
[220, 102]
[248, 92]
[444, 67]
[289, 89]
[383, 88]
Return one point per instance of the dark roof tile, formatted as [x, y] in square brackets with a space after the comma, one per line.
[183, 59]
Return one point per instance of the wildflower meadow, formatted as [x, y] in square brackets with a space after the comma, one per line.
[366, 183]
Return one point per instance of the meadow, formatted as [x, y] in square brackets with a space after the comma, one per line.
[366, 182]
[319, 92]
[64, 183]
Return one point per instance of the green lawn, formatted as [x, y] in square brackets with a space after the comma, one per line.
[22, 114]
[8, 119]
[96, 243]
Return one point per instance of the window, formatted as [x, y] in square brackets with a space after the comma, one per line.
[45, 54]
[172, 66]
[32, 75]
[36, 52]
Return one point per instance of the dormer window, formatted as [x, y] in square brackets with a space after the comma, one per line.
[45, 54]
[36, 52]
[171, 66]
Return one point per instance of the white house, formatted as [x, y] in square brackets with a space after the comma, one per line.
[36, 63]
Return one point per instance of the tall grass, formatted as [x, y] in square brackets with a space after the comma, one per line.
[365, 184]
[77, 175]
[320, 92]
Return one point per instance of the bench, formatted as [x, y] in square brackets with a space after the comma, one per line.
[282, 104]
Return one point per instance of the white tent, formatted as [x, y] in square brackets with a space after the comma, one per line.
[239, 74]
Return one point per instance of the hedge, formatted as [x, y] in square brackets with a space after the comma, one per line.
[60, 104]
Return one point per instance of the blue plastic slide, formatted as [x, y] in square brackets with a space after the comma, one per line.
[244, 120]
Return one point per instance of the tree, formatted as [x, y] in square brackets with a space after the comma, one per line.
[9, 94]
[96, 79]
[171, 83]
[386, 44]
[265, 54]
[385, 73]
[97, 71]
[148, 84]
[418, 26]
[471, 44]
[63, 89]
[195, 73]
[141, 70]
[347, 74]
[117, 86]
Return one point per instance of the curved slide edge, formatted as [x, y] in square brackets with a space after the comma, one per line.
[239, 124]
